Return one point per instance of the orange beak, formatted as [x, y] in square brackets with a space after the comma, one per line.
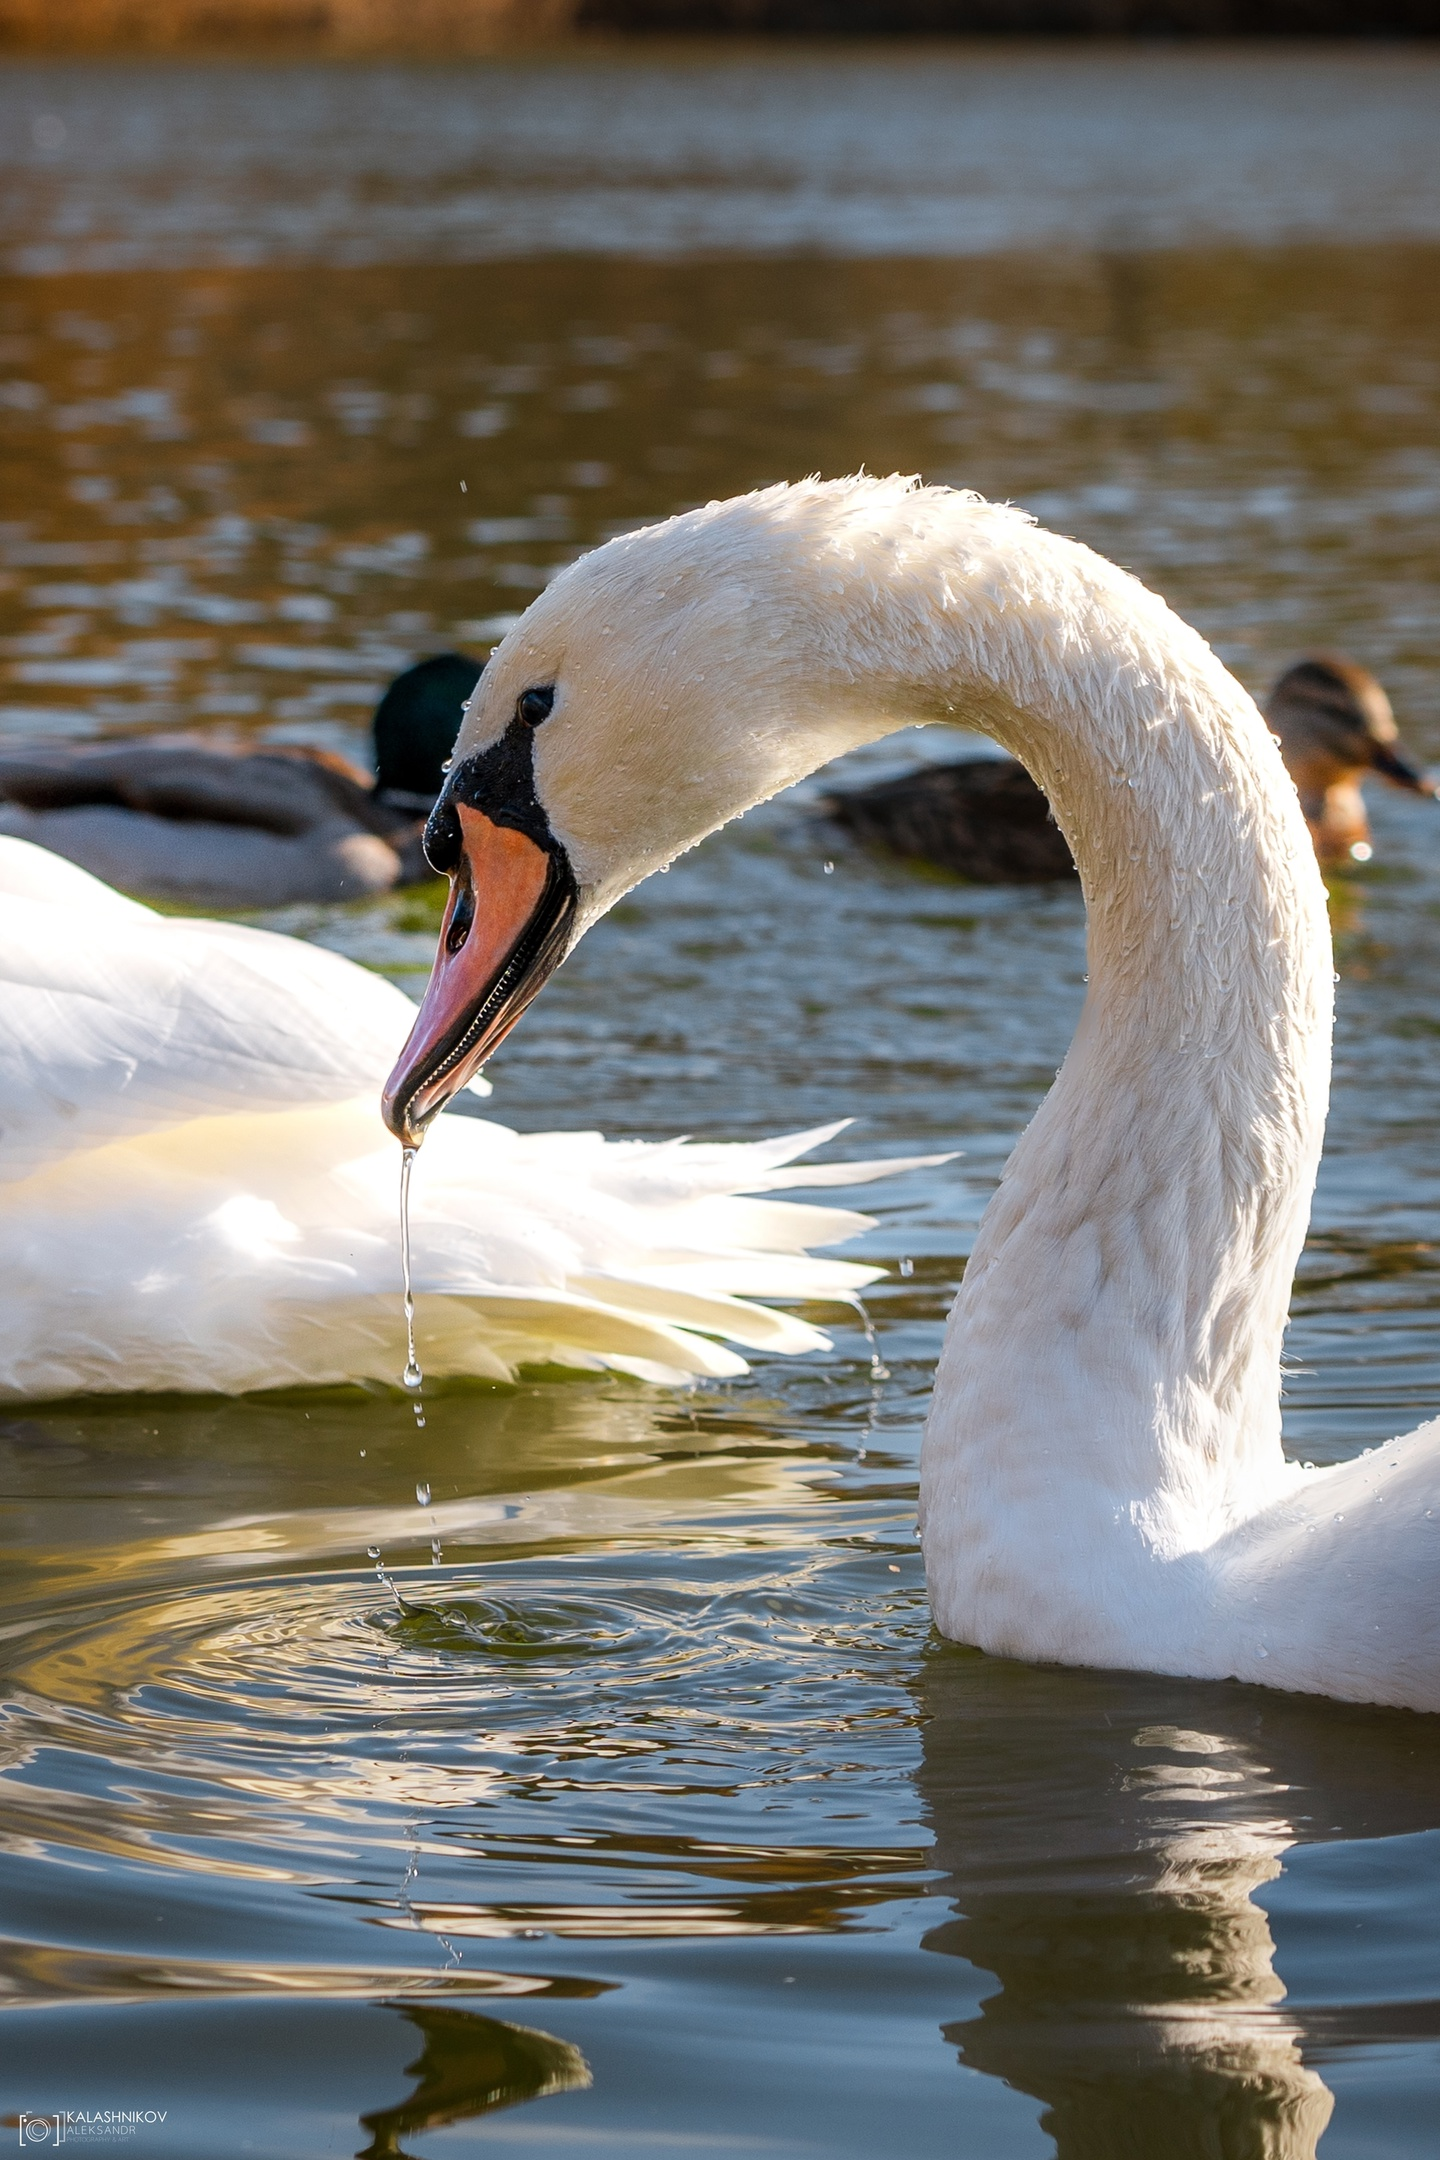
[507, 924]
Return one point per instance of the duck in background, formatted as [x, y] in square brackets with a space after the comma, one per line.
[1334, 724]
[984, 818]
[198, 826]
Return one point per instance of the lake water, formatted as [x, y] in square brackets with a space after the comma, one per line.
[669, 1825]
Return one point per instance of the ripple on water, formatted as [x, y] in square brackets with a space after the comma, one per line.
[283, 1709]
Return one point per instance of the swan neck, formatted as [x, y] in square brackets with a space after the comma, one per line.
[1120, 1324]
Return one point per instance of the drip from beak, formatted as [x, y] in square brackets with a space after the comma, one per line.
[507, 925]
[1399, 766]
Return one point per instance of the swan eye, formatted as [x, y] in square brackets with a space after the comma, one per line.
[533, 706]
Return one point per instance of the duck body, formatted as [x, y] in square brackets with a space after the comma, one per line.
[197, 826]
[984, 819]
[1102, 1478]
[980, 818]
[197, 1193]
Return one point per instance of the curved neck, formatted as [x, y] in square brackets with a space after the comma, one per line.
[1116, 1344]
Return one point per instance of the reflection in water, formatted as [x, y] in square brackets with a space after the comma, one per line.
[1103, 1860]
[469, 2066]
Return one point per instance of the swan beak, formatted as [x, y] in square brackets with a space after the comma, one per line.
[507, 925]
[1399, 766]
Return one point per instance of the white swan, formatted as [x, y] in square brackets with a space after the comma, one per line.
[1102, 1480]
[196, 1191]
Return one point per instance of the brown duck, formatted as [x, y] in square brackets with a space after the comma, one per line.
[984, 818]
[202, 827]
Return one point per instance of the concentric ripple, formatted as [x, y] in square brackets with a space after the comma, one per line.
[265, 1720]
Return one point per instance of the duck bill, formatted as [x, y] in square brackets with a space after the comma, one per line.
[506, 929]
[1398, 766]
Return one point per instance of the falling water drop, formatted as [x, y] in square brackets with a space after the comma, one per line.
[380, 1575]
[879, 1370]
[412, 1375]
[907, 1266]
[422, 1495]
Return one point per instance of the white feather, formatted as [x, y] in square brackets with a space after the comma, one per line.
[197, 1193]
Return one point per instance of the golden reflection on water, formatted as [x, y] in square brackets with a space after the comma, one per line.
[242, 490]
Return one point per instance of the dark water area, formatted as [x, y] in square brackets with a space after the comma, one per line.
[661, 1821]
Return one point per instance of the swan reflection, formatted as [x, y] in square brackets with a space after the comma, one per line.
[470, 2065]
[1102, 1840]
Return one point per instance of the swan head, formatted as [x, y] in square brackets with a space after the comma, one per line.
[659, 687]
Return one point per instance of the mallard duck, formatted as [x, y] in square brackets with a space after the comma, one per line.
[984, 818]
[180, 821]
[1334, 725]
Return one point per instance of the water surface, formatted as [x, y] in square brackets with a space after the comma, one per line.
[661, 1821]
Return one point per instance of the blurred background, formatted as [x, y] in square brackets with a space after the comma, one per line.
[481, 25]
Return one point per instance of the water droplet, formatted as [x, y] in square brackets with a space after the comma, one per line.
[907, 1265]
[422, 1496]
[1339, 1518]
[829, 869]
[412, 1375]
[436, 1552]
[878, 1369]
[1262, 1653]
[381, 1576]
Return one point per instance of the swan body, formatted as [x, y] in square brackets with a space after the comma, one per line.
[196, 1191]
[1102, 1479]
